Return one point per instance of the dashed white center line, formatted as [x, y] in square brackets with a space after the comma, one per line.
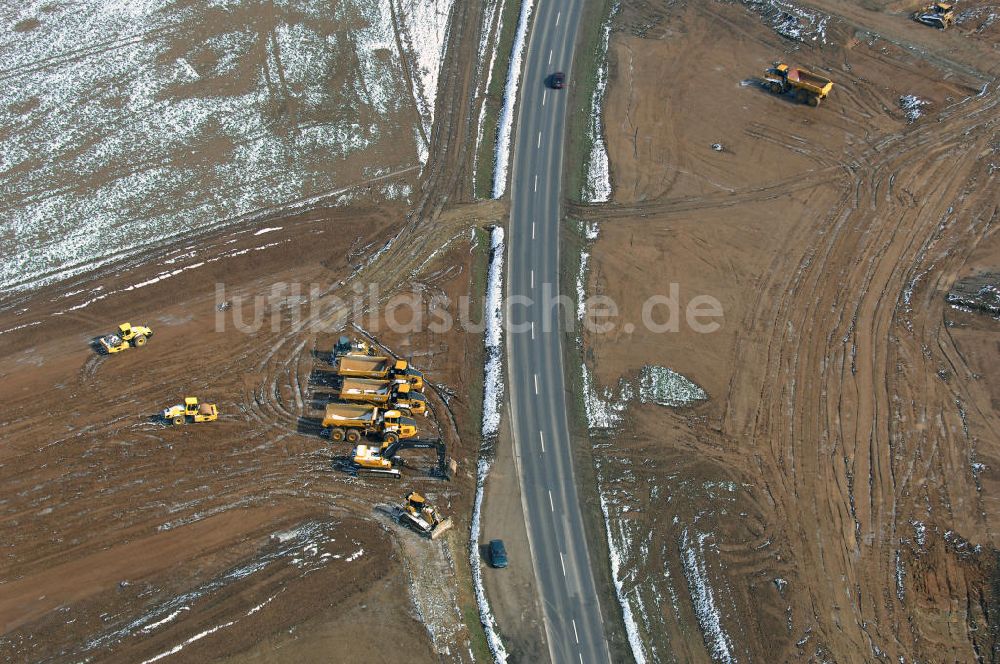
[532, 329]
[539, 140]
[550, 56]
[575, 633]
[541, 437]
[545, 93]
[558, 15]
[532, 230]
[562, 562]
[536, 383]
[536, 183]
[552, 506]
[532, 278]
[581, 657]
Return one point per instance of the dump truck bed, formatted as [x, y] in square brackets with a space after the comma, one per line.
[364, 389]
[358, 365]
[810, 81]
[341, 414]
[367, 386]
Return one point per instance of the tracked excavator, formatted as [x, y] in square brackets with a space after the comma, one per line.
[369, 460]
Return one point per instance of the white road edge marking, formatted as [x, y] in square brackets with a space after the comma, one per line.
[536, 383]
[575, 633]
[541, 437]
[562, 562]
[552, 506]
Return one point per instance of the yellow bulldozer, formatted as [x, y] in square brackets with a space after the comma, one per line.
[423, 517]
[191, 411]
[937, 15]
[126, 337]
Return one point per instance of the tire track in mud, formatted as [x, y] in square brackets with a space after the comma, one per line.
[862, 326]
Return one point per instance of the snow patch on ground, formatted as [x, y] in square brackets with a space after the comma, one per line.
[493, 388]
[493, 392]
[912, 107]
[424, 28]
[666, 387]
[475, 560]
[597, 188]
[791, 21]
[486, 45]
[605, 408]
[616, 545]
[506, 124]
[705, 609]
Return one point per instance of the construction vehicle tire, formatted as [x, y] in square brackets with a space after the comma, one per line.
[337, 434]
[140, 340]
[775, 88]
[353, 436]
[801, 96]
[179, 419]
[391, 438]
[814, 100]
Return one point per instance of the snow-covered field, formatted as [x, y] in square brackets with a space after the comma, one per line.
[128, 123]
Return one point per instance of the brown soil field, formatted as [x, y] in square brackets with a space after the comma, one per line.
[833, 498]
[114, 522]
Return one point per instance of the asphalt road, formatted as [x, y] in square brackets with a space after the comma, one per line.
[572, 614]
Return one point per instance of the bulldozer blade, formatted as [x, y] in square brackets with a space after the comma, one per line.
[441, 528]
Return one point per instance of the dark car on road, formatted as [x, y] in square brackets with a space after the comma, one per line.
[498, 554]
[557, 81]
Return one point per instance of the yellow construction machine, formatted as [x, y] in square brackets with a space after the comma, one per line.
[128, 335]
[369, 460]
[351, 422]
[418, 514]
[937, 15]
[191, 411]
[809, 88]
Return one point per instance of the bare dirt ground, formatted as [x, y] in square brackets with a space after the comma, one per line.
[834, 499]
[113, 521]
[126, 540]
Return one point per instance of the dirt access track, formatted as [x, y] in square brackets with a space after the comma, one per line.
[835, 497]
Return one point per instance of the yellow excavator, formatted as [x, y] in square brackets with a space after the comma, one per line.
[937, 15]
[418, 514]
[191, 411]
[127, 336]
[382, 461]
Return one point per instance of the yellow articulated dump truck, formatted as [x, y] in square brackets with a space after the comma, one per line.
[809, 88]
[395, 392]
[380, 368]
[353, 421]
